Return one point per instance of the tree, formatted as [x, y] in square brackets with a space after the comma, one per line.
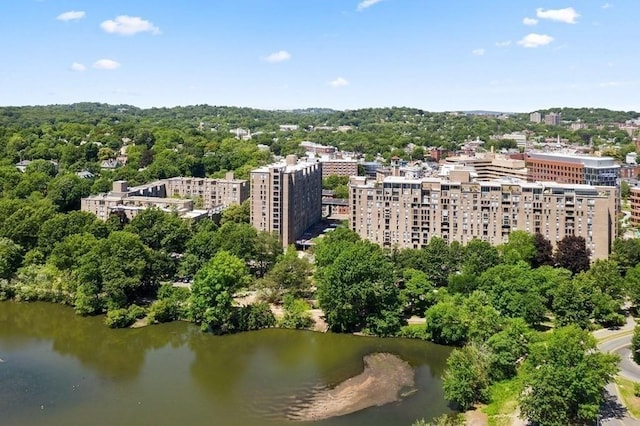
[478, 256]
[438, 262]
[10, 258]
[466, 380]
[290, 275]
[626, 251]
[213, 289]
[331, 245]
[544, 252]
[632, 284]
[572, 254]
[65, 191]
[572, 304]
[237, 213]
[160, 230]
[60, 226]
[508, 347]
[565, 377]
[358, 290]
[514, 292]
[635, 344]
[417, 293]
[520, 247]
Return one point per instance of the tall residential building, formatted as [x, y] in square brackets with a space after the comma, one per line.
[407, 213]
[634, 201]
[187, 196]
[535, 117]
[286, 198]
[571, 168]
[338, 167]
[552, 119]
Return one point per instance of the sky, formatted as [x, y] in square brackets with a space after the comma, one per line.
[499, 55]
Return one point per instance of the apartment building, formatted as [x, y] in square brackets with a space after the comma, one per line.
[572, 168]
[339, 167]
[552, 119]
[491, 166]
[286, 198]
[407, 213]
[535, 117]
[634, 200]
[211, 193]
[188, 197]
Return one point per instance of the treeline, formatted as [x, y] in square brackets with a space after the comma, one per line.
[199, 140]
[496, 304]
[126, 269]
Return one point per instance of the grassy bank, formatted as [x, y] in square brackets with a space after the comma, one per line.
[632, 402]
[504, 401]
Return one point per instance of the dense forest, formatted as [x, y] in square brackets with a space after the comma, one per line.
[508, 309]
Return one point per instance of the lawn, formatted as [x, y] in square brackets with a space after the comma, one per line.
[504, 401]
[632, 402]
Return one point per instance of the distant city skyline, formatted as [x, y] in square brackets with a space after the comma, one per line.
[348, 54]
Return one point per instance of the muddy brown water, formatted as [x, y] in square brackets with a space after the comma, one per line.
[57, 368]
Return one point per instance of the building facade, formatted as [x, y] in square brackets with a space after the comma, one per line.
[338, 167]
[407, 213]
[552, 119]
[286, 198]
[572, 169]
[634, 201]
[186, 196]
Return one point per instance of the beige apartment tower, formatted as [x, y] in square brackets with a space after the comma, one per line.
[286, 198]
[407, 213]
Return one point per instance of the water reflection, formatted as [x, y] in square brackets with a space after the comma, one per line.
[76, 367]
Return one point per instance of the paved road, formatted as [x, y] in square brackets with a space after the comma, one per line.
[618, 341]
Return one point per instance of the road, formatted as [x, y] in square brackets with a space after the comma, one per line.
[618, 342]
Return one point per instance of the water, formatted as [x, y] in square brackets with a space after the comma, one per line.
[61, 369]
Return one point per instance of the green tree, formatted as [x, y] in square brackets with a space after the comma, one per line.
[213, 289]
[290, 275]
[520, 247]
[160, 230]
[65, 191]
[635, 344]
[237, 213]
[331, 245]
[417, 293]
[466, 380]
[565, 378]
[296, 314]
[626, 251]
[357, 291]
[10, 258]
[507, 348]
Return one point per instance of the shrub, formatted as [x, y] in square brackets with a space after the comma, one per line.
[118, 318]
[296, 314]
[164, 310]
[252, 317]
[414, 331]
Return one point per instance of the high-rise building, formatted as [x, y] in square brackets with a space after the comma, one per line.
[407, 213]
[571, 168]
[634, 201]
[286, 198]
[552, 119]
[535, 117]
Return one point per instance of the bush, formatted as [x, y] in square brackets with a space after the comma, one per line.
[252, 317]
[121, 318]
[118, 318]
[164, 310]
[296, 314]
[636, 390]
[414, 331]
[635, 344]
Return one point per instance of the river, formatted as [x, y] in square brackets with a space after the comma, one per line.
[57, 368]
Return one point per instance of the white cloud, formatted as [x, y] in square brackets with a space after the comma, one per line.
[505, 43]
[279, 56]
[339, 82]
[71, 15]
[607, 6]
[478, 52]
[530, 21]
[535, 40]
[364, 4]
[106, 64]
[129, 25]
[567, 15]
[78, 67]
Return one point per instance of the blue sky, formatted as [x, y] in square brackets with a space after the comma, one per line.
[506, 55]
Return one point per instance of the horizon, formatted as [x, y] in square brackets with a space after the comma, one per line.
[433, 56]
